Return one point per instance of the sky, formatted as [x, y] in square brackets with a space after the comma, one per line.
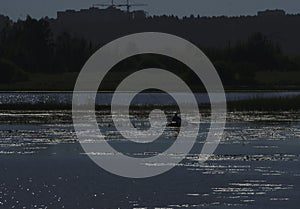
[40, 8]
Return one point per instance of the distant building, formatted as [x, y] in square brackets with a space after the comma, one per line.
[271, 13]
[110, 14]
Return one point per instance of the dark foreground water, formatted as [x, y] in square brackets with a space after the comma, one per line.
[255, 166]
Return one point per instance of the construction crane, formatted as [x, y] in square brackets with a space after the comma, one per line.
[127, 5]
[105, 5]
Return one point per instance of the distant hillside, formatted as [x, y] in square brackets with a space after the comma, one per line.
[103, 25]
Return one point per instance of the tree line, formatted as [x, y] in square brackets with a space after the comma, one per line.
[29, 46]
[238, 64]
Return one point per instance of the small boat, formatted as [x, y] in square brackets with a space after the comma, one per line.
[176, 121]
[174, 124]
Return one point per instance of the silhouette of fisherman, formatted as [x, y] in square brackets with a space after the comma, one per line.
[176, 120]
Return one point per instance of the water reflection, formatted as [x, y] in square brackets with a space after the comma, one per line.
[64, 98]
[255, 166]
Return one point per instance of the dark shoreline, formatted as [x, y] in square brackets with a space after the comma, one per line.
[226, 89]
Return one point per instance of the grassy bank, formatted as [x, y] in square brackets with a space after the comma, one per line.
[43, 82]
[266, 104]
[264, 81]
[255, 104]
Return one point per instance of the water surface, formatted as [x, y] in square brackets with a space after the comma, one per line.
[142, 98]
[256, 165]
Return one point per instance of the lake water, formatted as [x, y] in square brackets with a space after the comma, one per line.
[142, 98]
[255, 166]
